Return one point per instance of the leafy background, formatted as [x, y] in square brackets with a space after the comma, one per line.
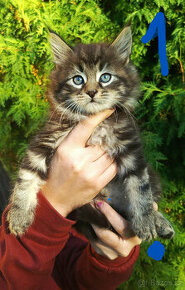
[25, 65]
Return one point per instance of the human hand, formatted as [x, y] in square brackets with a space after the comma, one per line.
[78, 173]
[111, 245]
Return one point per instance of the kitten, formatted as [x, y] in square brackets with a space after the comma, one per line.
[88, 79]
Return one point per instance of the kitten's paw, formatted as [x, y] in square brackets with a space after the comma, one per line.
[144, 227]
[19, 221]
[163, 227]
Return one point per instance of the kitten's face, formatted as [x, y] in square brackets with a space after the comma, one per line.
[94, 77]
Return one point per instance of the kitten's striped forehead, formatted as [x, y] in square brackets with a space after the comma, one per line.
[93, 57]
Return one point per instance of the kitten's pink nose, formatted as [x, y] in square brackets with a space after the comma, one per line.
[92, 93]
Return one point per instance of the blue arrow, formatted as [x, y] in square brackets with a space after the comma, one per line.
[157, 28]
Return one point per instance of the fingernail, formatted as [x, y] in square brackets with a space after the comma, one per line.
[113, 109]
[99, 204]
[110, 111]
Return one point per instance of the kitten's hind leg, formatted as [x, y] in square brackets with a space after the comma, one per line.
[23, 201]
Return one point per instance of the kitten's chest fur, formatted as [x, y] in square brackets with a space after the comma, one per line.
[104, 136]
[108, 134]
[111, 136]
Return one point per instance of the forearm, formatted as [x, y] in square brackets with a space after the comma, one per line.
[60, 207]
[109, 274]
[86, 269]
[27, 262]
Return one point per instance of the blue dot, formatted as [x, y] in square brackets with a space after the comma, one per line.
[109, 198]
[156, 251]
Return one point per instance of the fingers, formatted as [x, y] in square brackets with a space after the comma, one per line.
[102, 163]
[104, 250]
[107, 175]
[108, 238]
[105, 158]
[111, 242]
[122, 246]
[155, 206]
[93, 152]
[117, 222]
[81, 133]
[115, 219]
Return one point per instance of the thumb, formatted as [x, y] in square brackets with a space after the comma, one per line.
[81, 133]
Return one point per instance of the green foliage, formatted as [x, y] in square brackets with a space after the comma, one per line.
[25, 65]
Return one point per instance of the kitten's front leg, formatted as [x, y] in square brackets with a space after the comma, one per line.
[31, 176]
[23, 201]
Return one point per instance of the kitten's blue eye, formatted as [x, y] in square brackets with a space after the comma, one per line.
[105, 78]
[78, 80]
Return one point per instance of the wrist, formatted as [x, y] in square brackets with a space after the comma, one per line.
[61, 208]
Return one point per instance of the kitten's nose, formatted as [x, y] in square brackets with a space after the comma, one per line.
[92, 93]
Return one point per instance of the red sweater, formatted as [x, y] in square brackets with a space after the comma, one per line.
[52, 255]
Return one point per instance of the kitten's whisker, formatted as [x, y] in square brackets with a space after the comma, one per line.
[131, 115]
[58, 109]
[128, 113]
[74, 106]
[78, 113]
[116, 115]
[63, 113]
[54, 112]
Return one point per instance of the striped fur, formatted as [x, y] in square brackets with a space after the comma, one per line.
[135, 187]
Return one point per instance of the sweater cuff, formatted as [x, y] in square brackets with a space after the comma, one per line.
[118, 262]
[46, 212]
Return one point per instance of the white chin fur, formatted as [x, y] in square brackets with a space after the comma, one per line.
[90, 108]
[95, 108]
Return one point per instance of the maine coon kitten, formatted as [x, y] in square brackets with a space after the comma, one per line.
[88, 79]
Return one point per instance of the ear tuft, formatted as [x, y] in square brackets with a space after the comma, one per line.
[60, 48]
[123, 43]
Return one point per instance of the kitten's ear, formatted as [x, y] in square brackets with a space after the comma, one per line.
[123, 43]
[60, 48]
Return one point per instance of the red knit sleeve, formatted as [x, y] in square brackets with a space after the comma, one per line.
[50, 256]
[27, 262]
[82, 268]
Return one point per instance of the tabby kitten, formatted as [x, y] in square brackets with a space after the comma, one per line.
[88, 79]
